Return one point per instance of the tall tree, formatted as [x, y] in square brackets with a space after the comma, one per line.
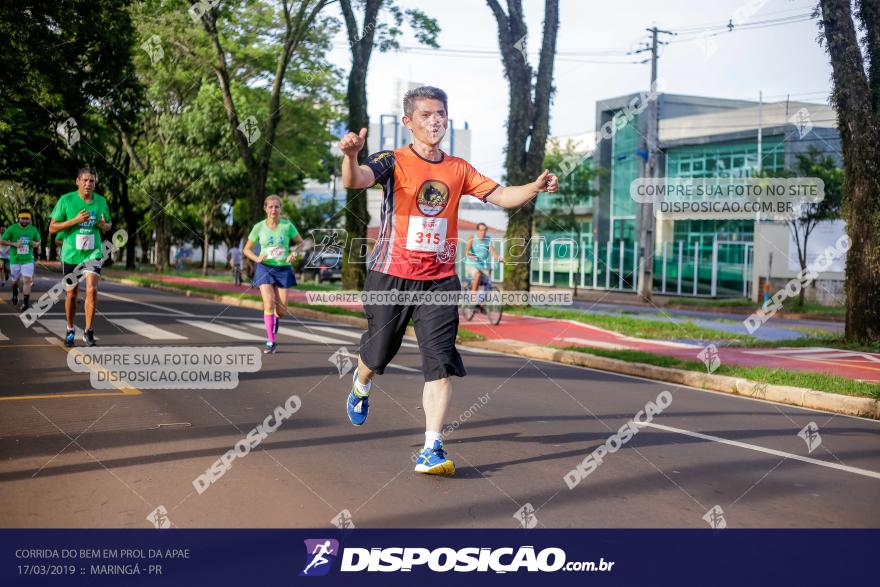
[814, 164]
[528, 122]
[576, 189]
[65, 65]
[856, 98]
[362, 37]
[297, 20]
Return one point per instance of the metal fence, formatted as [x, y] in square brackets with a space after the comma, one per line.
[686, 268]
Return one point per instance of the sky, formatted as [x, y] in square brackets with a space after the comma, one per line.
[592, 63]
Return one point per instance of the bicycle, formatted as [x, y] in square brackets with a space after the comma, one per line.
[491, 295]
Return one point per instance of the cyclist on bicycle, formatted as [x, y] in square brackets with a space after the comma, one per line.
[478, 255]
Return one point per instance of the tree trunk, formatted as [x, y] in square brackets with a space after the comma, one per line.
[162, 225]
[128, 213]
[297, 25]
[357, 217]
[206, 238]
[855, 98]
[528, 124]
[803, 262]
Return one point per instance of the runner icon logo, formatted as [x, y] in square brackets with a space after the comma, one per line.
[320, 554]
[810, 434]
[715, 518]
[526, 516]
[159, 518]
[342, 361]
[343, 520]
[710, 358]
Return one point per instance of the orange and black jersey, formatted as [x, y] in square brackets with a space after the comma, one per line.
[418, 227]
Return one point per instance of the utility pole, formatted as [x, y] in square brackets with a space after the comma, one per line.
[650, 169]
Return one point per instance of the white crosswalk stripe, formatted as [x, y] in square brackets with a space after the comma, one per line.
[146, 330]
[303, 334]
[226, 331]
[58, 327]
[357, 334]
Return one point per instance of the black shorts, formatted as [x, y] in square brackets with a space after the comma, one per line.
[436, 327]
[68, 268]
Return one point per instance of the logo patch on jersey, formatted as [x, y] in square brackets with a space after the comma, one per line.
[433, 197]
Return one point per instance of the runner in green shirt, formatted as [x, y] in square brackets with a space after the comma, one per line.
[24, 240]
[79, 218]
[273, 273]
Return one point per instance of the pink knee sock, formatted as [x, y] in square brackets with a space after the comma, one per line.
[269, 321]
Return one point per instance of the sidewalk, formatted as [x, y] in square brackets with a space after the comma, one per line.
[563, 333]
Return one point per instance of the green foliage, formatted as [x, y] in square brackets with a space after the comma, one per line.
[62, 60]
[308, 216]
[576, 188]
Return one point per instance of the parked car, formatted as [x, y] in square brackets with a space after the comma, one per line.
[323, 266]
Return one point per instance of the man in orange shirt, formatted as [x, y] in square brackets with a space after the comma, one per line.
[415, 253]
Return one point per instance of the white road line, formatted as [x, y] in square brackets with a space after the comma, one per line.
[226, 331]
[395, 365]
[149, 305]
[58, 327]
[339, 331]
[357, 334]
[303, 335]
[146, 330]
[226, 317]
[789, 351]
[770, 451]
[327, 340]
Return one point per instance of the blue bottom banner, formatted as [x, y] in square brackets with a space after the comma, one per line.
[504, 557]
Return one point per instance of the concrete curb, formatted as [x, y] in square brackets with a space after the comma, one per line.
[796, 396]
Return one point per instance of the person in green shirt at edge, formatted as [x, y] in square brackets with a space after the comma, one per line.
[24, 240]
[273, 273]
[80, 217]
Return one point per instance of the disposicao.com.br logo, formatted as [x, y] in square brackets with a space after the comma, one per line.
[320, 554]
[445, 559]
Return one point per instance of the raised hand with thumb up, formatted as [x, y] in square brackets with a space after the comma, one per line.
[351, 144]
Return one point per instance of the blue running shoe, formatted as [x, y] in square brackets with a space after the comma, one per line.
[358, 406]
[433, 461]
[269, 349]
[69, 338]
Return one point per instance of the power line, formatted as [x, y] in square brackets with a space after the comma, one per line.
[702, 27]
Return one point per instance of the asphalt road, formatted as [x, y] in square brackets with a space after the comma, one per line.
[74, 456]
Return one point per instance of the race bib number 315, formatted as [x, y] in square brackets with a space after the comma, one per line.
[426, 234]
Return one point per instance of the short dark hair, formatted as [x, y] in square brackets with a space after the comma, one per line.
[23, 211]
[421, 93]
[86, 169]
[483, 224]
